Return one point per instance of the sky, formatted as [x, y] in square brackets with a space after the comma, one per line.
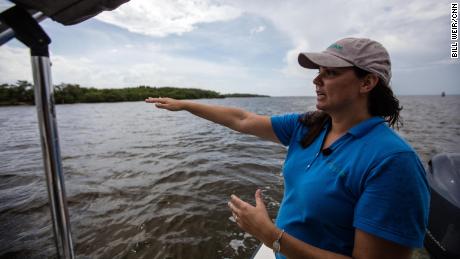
[241, 46]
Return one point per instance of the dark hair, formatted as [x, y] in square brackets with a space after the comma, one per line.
[381, 102]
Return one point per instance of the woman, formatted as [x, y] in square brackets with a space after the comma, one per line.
[353, 187]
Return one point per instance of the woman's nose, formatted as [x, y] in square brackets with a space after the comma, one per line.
[317, 80]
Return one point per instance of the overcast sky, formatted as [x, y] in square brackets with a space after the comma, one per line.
[244, 46]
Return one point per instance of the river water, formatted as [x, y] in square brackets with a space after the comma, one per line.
[148, 183]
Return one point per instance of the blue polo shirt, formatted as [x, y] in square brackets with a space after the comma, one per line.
[373, 180]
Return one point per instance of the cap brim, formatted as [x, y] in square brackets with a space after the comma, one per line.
[316, 60]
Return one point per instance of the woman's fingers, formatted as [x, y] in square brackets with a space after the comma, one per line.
[235, 210]
[149, 100]
[237, 205]
[156, 100]
[237, 201]
[165, 103]
[259, 200]
[252, 219]
[159, 105]
[238, 208]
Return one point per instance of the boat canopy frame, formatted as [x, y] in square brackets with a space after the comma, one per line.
[26, 29]
[21, 21]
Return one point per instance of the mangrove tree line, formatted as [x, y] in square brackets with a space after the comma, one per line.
[22, 93]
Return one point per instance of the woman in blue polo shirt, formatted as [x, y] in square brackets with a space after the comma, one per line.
[353, 187]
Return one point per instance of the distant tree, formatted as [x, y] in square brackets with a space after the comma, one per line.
[22, 93]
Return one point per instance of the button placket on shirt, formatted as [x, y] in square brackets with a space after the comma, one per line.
[309, 165]
[317, 153]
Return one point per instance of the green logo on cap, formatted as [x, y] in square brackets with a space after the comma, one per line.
[336, 46]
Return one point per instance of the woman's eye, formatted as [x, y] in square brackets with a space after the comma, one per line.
[327, 73]
[331, 73]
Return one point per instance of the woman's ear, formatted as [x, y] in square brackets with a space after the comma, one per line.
[369, 82]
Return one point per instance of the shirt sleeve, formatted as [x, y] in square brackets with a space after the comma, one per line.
[284, 126]
[394, 203]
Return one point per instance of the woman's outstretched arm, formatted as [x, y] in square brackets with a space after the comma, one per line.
[233, 118]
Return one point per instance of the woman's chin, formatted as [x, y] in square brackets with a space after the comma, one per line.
[320, 106]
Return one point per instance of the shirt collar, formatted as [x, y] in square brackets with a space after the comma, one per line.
[363, 127]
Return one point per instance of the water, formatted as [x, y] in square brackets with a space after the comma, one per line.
[148, 183]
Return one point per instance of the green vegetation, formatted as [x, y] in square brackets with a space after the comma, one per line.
[23, 93]
[69, 93]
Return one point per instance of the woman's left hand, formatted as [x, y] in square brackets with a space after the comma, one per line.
[254, 220]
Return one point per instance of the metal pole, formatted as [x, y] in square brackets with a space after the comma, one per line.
[44, 102]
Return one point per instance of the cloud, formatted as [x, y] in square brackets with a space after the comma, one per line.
[258, 29]
[157, 68]
[239, 45]
[414, 32]
[400, 26]
[163, 17]
[15, 64]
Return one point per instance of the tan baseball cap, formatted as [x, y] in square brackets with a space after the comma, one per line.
[363, 53]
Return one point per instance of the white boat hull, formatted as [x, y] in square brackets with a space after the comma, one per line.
[264, 253]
